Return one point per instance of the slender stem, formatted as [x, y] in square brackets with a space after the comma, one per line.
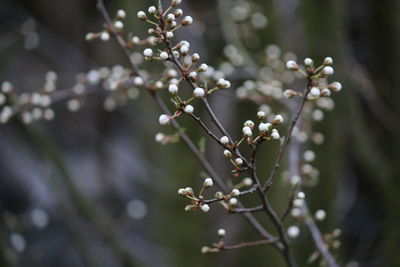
[285, 143]
[253, 209]
[246, 244]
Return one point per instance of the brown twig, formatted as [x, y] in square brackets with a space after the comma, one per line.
[245, 244]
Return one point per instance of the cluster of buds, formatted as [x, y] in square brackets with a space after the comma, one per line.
[196, 201]
[318, 75]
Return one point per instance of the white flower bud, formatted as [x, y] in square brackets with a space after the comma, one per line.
[164, 55]
[205, 207]
[328, 61]
[138, 81]
[184, 50]
[169, 35]
[238, 161]
[173, 89]
[141, 15]
[135, 40]
[188, 109]
[222, 83]
[264, 127]
[295, 212]
[227, 153]
[275, 134]
[320, 215]
[205, 249]
[233, 201]
[249, 123]
[193, 75]
[327, 71]
[298, 202]
[309, 155]
[308, 61]
[174, 3]
[203, 67]
[182, 192]
[159, 137]
[170, 18]
[90, 36]
[315, 92]
[104, 36]
[195, 57]
[288, 93]
[325, 92]
[293, 231]
[6, 87]
[187, 20]
[221, 232]
[189, 191]
[235, 193]
[198, 92]
[301, 195]
[247, 181]
[247, 131]
[148, 52]
[178, 12]
[118, 25]
[261, 115]
[164, 119]
[152, 10]
[121, 14]
[292, 65]
[208, 182]
[224, 140]
[277, 120]
[335, 86]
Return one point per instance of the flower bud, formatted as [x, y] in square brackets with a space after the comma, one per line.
[227, 153]
[275, 134]
[118, 25]
[148, 52]
[104, 36]
[308, 62]
[164, 119]
[224, 140]
[189, 191]
[203, 67]
[315, 92]
[221, 232]
[198, 92]
[178, 12]
[277, 120]
[121, 14]
[152, 10]
[169, 35]
[164, 55]
[247, 181]
[208, 182]
[335, 86]
[238, 161]
[188, 109]
[261, 115]
[328, 61]
[264, 127]
[327, 71]
[301, 195]
[195, 57]
[288, 93]
[292, 65]
[205, 207]
[235, 192]
[141, 15]
[249, 123]
[182, 192]
[247, 131]
[187, 21]
[174, 3]
[293, 231]
[173, 89]
[233, 201]
[320, 215]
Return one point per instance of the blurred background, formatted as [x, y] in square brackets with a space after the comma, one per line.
[93, 188]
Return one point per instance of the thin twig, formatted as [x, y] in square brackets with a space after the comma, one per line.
[246, 244]
[285, 143]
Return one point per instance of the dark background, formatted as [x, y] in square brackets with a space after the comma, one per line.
[85, 169]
